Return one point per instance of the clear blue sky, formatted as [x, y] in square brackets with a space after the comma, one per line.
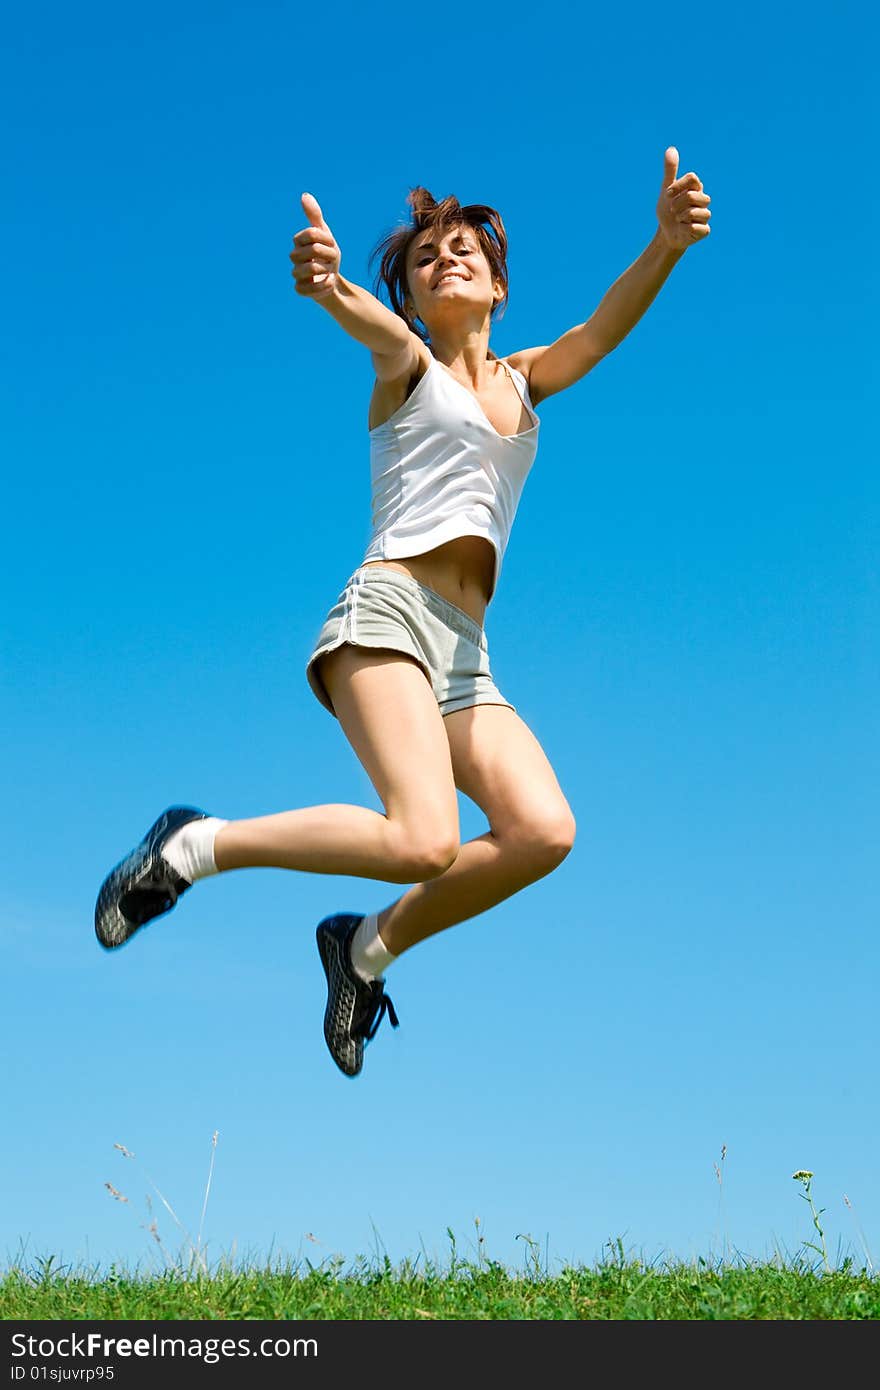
[687, 620]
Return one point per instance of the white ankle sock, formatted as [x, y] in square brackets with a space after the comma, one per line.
[369, 954]
[190, 850]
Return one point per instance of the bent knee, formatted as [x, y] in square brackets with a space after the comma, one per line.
[423, 857]
[556, 841]
[547, 841]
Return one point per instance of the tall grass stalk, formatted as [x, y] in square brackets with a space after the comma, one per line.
[721, 1224]
[208, 1187]
[860, 1232]
[195, 1246]
[805, 1177]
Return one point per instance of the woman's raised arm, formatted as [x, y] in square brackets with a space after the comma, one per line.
[316, 258]
[682, 219]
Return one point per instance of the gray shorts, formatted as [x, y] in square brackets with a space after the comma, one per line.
[383, 608]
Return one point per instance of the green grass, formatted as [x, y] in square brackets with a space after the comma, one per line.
[617, 1289]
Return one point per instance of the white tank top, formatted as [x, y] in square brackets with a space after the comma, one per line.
[440, 470]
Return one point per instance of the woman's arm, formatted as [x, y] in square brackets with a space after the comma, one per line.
[365, 318]
[316, 258]
[683, 218]
[556, 367]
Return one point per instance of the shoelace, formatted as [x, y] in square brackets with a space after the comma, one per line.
[381, 1006]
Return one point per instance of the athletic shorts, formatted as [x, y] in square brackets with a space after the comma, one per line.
[383, 608]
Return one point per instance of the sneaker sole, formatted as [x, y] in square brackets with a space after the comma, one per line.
[142, 882]
[351, 1061]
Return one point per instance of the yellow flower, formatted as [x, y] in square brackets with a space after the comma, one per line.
[802, 1175]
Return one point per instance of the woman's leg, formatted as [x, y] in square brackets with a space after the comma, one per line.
[500, 765]
[390, 716]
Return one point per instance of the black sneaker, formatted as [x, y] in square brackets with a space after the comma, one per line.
[143, 885]
[355, 1007]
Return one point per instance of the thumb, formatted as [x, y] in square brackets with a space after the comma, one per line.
[670, 166]
[312, 210]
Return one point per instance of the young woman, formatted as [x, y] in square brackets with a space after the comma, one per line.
[402, 659]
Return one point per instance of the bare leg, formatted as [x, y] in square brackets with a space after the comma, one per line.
[389, 714]
[331, 839]
[501, 766]
[487, 871]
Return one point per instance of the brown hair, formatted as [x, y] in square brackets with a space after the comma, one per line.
[427, 214]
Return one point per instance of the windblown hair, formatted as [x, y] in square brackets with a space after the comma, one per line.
[427, 214]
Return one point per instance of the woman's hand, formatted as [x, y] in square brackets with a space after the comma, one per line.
[315, 256]
[682, 210]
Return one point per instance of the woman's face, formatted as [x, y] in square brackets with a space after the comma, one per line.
[448, 276]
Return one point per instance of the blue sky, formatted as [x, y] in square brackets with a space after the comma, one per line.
[687, 620]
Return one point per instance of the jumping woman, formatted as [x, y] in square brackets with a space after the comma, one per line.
[402, 659]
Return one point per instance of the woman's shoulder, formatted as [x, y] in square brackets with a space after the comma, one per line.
[390, 393]
[521, 361]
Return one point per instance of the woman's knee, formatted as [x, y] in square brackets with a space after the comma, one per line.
[424, 853]
[544, 840]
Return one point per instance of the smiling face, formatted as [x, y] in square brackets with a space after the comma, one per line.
[449, 277]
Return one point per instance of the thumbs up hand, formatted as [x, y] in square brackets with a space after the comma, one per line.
[316, 256]
[682, 209]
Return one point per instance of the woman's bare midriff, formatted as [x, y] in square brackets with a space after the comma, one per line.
[461, 570]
